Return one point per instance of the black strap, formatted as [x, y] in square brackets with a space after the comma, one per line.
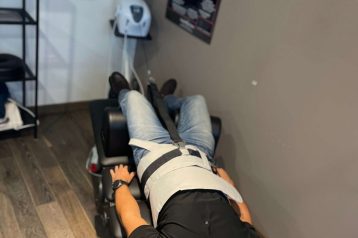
[157, 163]
[162, 112]
[194, 152]
[161, 161]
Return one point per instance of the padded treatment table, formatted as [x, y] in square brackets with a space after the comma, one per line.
[111, 138]
[98, 116]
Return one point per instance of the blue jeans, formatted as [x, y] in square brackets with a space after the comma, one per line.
[194, 125]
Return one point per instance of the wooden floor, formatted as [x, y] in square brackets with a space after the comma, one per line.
[45, 190]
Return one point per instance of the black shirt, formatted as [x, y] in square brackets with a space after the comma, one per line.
[197, 214]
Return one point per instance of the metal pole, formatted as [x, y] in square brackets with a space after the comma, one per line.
[37, 64]
[23, 50]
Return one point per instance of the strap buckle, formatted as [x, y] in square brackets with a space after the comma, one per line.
[180, 144]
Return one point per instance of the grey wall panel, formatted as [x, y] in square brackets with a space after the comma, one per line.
[291, 142]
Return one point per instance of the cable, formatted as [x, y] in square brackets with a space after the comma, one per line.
[111, 43]
[138, 80]
[145, 59]
[131, 63]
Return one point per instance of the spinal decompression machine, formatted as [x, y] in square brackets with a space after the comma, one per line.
[111, 137]
[110, 127]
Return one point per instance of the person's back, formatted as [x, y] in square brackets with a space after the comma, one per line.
[198, 214]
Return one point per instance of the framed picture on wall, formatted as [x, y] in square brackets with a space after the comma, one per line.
[197, 17]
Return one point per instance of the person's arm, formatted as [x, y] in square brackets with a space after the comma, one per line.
[126, 206]
[245, 215]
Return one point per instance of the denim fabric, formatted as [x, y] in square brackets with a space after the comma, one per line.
[4, 95]
[194, 125]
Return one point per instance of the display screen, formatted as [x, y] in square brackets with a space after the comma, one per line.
[195, 16]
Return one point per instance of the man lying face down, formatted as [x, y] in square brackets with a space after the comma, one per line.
[187, 199]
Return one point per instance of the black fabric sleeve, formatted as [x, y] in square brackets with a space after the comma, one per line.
[251, 231]
[145, 231]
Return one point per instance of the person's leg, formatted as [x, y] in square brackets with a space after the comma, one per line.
[194, 125]
[142, 121]
[173, 102]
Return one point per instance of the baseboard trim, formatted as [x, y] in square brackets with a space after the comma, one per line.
[62, 108]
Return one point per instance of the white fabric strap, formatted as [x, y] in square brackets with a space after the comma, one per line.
[184, 172]
[148, 145]
[174, 164]
[156, 150]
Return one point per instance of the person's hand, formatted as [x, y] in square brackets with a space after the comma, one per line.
[224, 175]
[121, 173]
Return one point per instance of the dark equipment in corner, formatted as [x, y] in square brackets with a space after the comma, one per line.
[13, 68]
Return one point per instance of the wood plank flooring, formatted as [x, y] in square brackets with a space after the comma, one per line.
[45, 190]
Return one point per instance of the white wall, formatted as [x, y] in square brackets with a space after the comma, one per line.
[291, 142]
[74, 46]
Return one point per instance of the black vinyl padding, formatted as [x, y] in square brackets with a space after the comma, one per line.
[11, 67]
[134, 186]
[115, 226]
[216, 129]
[97, 108]
[115, 133]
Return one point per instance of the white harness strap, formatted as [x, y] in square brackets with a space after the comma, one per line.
[206, 162]
[156, 151]
[148, 145]
[182, 171]
[165, 152]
